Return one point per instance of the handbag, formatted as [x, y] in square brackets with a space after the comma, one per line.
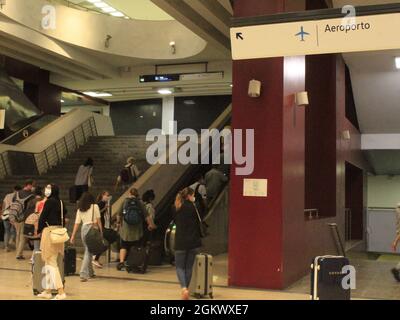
[203, 226]
[59, 235]
[94, 240]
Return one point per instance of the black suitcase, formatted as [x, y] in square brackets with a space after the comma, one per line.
[156, 253]
[137, 260]
[326, 278]
[69, 261]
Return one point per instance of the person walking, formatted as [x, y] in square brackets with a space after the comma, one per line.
[187, 238]
[129, 174]
[84, 178]
[52, 217]
[89, 215]
[103, 202]
[9, 229]
[131, 232]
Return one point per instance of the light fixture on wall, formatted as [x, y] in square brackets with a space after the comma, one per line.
[397, 60]
[346, 135]
[172, 44]
[301, 99]
[254, 88]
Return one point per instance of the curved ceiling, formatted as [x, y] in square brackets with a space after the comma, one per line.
[130, 38]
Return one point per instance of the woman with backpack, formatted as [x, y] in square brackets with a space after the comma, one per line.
[130, 223]
[187, 238]
[89, 215]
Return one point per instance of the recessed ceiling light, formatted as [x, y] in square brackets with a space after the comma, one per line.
[117, 14]
[101, 4]
[62, 101]
[98, 94]
[108, 9]
[398, 62]
[165, 91]
[189, 102]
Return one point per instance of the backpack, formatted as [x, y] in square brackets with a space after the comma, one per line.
[126, 175]
[31, 225]
[132, 212]
[17, 208]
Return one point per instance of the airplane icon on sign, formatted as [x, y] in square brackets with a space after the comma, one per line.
[302, 33]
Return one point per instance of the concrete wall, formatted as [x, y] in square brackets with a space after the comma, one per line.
[383, 191]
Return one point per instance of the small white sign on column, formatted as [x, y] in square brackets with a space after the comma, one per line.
[255, 188]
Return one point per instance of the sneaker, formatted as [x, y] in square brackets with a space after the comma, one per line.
[60, 297]
[45, 295]
[97, 264]
[20, 258]
[84, 280]
[93, 277]
[120, 266]
[396, 274]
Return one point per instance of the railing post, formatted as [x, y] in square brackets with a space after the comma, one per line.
[76, 142]
[47, 159]
[83, 132]
[66, 145]
[4, 164]
[58, 156]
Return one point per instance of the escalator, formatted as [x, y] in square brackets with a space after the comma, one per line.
[168, 179]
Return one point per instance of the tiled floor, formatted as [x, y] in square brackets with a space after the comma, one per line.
[158, 283]
[374, 281]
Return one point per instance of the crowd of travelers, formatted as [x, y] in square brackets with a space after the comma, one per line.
[36, 215]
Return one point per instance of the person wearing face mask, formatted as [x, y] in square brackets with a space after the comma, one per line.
[52, 216]
[103, 202]
[187, 238]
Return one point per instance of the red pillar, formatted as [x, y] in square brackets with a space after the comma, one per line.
[266, 234]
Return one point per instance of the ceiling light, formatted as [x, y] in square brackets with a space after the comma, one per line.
[108, 9]
[117, 14]
[101, 4]
[189, 102]
[62, 101]
[398, 62]
[98, 94]
[93, 1]
[165, 91]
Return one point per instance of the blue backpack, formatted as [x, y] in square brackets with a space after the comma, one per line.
[132, 212]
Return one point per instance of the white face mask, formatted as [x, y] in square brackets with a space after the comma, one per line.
[47, 192]
[193, 199]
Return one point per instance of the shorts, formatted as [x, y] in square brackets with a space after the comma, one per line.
[129, 244]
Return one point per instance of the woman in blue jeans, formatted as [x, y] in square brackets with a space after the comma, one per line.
[89, 215]
[187, 238]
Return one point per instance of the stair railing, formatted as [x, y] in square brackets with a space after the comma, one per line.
[40, 163]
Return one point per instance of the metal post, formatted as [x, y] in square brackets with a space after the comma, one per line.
[66, 145]
[76, 143]
[58, 156]
[47, 159]
[4, 164]
[83, 132]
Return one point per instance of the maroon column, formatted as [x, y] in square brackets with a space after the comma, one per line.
[265, 241]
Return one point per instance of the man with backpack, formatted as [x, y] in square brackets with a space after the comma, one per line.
[9, 230]
[130, 223]
[17, 214]
[128, 175]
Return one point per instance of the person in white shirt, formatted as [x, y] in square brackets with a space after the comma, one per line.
[89, 215]
[84, 178]
[9, 230]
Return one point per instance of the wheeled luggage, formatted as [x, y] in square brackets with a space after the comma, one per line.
[156, 253]
[137, 260]
[69, 261]
[326, 278]
[39, 273]
[201, 284]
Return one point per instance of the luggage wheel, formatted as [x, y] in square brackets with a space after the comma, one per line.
[35, 292]
[211, 296]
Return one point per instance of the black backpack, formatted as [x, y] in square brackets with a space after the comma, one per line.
[132, 212]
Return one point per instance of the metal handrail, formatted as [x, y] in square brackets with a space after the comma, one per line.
[52, 156]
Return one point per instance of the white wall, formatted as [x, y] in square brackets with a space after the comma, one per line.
[383, 191]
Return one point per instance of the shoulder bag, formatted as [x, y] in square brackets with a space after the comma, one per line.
[59, 235]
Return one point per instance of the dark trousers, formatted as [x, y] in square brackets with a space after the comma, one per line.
[80, 190]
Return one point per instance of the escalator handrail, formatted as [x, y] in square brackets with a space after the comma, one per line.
[36, 118]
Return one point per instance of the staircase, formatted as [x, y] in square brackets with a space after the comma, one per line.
[109, 155]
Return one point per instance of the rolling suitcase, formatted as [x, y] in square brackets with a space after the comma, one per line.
[155, 253]
[137, 260]
[69, 261]
[201, 284]
[326, 278]
[39, 272]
